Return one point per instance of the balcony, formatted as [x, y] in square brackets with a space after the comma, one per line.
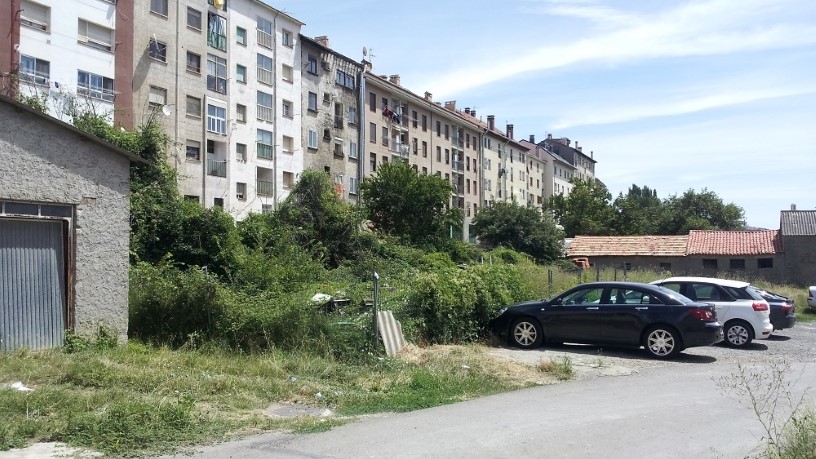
[265, 39]
[264, 151]
[457, 143]
[398, 148]
[460, 189]
[216, 168]
[338, 121]
[96, 93]
[265, 188]
[265, 113]
[458, 167]
[265, 76]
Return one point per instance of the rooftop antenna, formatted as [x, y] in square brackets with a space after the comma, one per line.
[368, 54]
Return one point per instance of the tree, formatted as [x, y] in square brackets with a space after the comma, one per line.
[637, 212]
[699, 211]
[411, 206]
[522, 228]
[586, 210]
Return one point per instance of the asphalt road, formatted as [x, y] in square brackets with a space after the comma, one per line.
[623, 405]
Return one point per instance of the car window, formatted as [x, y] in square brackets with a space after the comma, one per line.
[584, 296]
[675, 295]
[673, 286]
[748, 293]
[707, 292]
[632, 296]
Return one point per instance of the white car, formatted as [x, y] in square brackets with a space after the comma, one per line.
[745, 315]
[811, 299]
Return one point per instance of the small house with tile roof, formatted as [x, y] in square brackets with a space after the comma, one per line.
[798, 235]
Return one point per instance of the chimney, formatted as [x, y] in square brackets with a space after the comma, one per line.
[450, 105]
[491, 122]
[793, 206]
[576, 146]
[394, 79]
[549, 136]
[532, 138]
[510, 131]
[428, 96]
[473, 112]
[383, 77]
[467, 110]
[322, 40]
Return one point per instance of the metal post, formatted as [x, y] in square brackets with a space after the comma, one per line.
[376, 303]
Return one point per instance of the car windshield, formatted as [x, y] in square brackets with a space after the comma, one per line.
[675, 295]
[753, 293]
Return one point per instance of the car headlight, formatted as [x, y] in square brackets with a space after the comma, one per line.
[501, 311]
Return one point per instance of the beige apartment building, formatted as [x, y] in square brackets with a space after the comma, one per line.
[538, 160]
[330, 114]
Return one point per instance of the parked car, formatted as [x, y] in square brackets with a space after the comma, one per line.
[745, 315]
[812, 297]
[783, 310]
[612, 313]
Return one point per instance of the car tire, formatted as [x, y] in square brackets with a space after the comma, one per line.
[526, 333]
[662, 342]
[738, 333]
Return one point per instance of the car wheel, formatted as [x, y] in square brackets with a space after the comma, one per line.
[738, 333]
[662, 342]
[526, 333]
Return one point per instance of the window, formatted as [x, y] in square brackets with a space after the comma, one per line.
[312, 139]
[413, 118]
[372, 162]
[286, 38]
[288, 144]
[218, 202]
[95, 35]
[424, 123]
[264, 69]
[372, 101]
[344, 79]
[217, 119]
[312, 102]
[311, 67]
[240, 73]
[157, 98]
[34, 70]
[353, 150]
[665, 267]
[240, 191]
[217, 31]
[286, 109]
[193, 62]
[265, 107]
[763, 263]
[438, 128]
[241, 152]
[157, 50]
[193, 150]
[372, 133]
[216, 74]
[287, 73]
[439, 154]
[424, 149]
[158, 7]
[35, 16]
[352, 115]
[264, 144]
[709, 263]
[193, 107]
[95, 86]
[583, 297]
[352, 185]
[193, 18]
[338, 147]
[241, 36]
[265, 33]
[288, 180]
[384, 138]
[736, 263]
[447, 132]
[240, 113]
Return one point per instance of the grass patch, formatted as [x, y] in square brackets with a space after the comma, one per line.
[561, 369]
[140, 400]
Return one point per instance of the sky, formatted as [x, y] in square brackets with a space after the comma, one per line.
[716, 95]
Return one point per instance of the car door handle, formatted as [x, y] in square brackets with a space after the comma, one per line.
[595, 308]
[641, 308]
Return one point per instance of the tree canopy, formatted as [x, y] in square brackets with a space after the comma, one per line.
[522, 228]
[586, 210]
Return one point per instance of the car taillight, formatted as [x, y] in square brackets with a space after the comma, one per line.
[787, 307]
[703, 314]
[760, 306]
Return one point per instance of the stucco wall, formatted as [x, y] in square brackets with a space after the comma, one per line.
[44, 162]
[800, 256]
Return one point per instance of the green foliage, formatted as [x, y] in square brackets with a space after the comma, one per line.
[38, 102]
[409, 205]
[701, 211]
[523, 228]
[587, 210]
[637, 212]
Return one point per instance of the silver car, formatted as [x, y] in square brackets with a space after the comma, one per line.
[812, 297]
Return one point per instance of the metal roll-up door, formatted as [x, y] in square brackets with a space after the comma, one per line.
[32, 284]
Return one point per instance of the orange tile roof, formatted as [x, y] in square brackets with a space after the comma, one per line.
[589, 246]
[760, 242]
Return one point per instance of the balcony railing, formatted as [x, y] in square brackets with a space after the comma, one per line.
[265, 113]
[264, 151]
[95, 93]
[216, 168]
[460, 189]
[458, 143]
[40, 78]
[265, 39]
[265, 76]
[399, 148]
[458, 166]
[265, 188]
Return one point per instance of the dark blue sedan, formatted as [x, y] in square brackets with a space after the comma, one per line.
[612, 313]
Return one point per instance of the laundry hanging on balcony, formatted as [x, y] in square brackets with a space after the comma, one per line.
[387, 112]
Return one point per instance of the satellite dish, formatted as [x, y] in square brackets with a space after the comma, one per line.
[166, 110]
[365, 51]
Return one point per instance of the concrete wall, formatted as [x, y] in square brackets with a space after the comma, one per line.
[800, 259]
[693, 265]
[47, 163]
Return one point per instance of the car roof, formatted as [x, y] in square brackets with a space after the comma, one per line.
[710, 280]
[616, 284]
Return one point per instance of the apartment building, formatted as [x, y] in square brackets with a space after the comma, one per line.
[583, 165]
[538, 160]
[331, 112]
[64, 52]
[434, 139]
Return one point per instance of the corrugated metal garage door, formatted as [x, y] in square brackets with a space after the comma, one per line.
[32, 284]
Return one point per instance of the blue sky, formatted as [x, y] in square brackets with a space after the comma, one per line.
[674, 95]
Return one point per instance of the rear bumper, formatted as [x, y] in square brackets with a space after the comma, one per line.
[711, 333]
[765, 332]
[782, 322]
